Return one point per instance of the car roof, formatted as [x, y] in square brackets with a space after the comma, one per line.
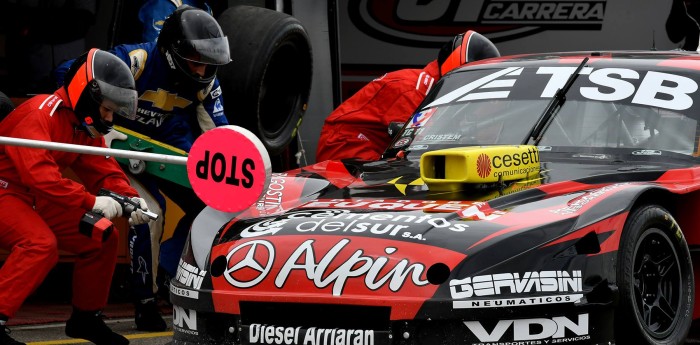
[689, 60]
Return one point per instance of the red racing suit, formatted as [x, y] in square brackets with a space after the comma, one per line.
[358, 128]
[40, 209]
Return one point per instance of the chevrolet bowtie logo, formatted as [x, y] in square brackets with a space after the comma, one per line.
[164, 100]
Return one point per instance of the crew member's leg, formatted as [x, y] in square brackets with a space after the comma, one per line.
[191, 205]
[144, 244]
[33, 253]
[92, 274]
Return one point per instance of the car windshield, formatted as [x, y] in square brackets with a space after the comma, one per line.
[607, 107]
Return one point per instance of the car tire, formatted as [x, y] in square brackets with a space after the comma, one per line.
[655, 280]
[6, 106]
[266, 85]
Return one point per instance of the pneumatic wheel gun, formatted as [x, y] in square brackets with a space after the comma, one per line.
[99, 228]
[127, 204]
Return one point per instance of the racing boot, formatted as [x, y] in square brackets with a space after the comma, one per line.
[148, 318]
[91, 326]
[5, 338]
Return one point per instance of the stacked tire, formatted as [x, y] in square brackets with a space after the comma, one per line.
[266, 86]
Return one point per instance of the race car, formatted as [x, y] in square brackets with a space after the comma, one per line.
[530, 199]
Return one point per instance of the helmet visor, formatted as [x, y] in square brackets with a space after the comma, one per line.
[120, 100]
[210, 51]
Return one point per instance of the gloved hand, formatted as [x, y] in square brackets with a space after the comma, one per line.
[107, 206]
[137, 217]
[113, 135]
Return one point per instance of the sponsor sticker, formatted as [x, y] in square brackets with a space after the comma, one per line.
[479, 165]
[164, 100]
[184, 292]
[545, 330]
[249, 263]
[550, 287]
[185, 320]
[442, 137]
[407, 224]
[646, 153]
[600, 156]
[138, 60]
[271, 201]
[402, 142]
[578, 203]
[422, 118]
[261, 334]
[382, 204]
[610, 84]
[417, 147]
[216, 92]
[480, 211]
[218, 108]
[189, 275]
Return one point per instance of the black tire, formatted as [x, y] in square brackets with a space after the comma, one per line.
[6, 106]
[655, 278]
[266, 86]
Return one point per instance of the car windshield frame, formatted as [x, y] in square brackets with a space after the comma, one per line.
[611, 105]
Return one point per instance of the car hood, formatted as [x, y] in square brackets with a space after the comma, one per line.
[379, 256]
[388, 184]
[375, 232]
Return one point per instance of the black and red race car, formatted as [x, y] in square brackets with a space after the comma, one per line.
[534, 199]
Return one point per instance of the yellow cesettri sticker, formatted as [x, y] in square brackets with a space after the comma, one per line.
[447, 169]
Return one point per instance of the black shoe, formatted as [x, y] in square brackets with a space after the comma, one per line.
[148, 318]
[89, 325]
[5, 338]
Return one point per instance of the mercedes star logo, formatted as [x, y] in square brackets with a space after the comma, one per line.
[262, 248]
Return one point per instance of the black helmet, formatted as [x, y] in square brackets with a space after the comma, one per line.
[99, 78]
[466, 47]
[191, 34]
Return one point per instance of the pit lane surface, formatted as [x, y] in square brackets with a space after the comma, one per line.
[53, 334]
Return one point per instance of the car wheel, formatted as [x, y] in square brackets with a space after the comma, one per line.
[6, 106]
[655, 278]
[266, 85]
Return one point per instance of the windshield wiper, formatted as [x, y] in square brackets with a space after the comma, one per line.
[554, 105]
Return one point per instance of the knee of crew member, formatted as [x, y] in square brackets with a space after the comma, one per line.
[46, 247]
[112, 241]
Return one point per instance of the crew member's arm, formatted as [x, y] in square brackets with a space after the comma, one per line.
[210, 113]
[152, 14]
[40, 172]
[102, 172]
